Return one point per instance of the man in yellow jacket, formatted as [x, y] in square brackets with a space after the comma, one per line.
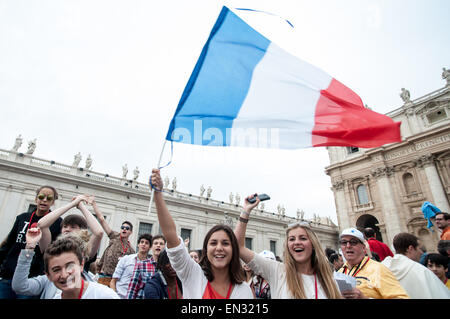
[373, 280]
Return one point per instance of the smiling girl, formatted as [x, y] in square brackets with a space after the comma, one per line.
[219, 273]
[305, 274]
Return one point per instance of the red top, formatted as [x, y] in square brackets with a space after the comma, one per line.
[210, 293]
[380, 248]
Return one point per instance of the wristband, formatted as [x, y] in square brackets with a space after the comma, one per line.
[247, 215]
[243, 220]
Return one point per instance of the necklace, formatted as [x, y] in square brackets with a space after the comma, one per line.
[124, 249]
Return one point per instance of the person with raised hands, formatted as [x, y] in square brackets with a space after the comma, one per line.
[67, 227]
[119, 245]
[305, 273]
[219, 274]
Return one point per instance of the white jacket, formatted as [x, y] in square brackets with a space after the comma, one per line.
[418, 281]
[192, 277]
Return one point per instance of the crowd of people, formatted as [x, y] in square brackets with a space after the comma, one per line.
[50, 257]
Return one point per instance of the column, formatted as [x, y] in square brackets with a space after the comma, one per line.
[387, 201]
[427, 162]
[341, 205]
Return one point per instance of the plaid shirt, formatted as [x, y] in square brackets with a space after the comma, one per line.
[143, 270]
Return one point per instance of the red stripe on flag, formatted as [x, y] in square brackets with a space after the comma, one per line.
[342, 120]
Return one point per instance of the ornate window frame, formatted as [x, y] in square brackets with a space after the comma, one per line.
[355, 183]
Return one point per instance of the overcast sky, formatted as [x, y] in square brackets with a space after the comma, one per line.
[105, 77]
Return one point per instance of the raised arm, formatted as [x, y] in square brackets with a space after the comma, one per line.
[166, 221]
[50, 218]
[95, 228]
[244, 253]
[100, 216]
[46, 221]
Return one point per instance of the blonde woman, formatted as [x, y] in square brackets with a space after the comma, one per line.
[305, 273]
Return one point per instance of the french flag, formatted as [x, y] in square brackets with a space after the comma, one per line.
[245, 91]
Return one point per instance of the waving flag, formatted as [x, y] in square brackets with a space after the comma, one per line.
[246, 91]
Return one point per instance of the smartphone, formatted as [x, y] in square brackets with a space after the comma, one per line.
[261, 197]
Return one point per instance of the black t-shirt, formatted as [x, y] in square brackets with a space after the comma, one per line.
[16, 241]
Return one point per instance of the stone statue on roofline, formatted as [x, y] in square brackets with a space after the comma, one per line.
[446, 76]
[17, 143]
[76, 159]
[31, 147]
[406, 97]
[88, 164]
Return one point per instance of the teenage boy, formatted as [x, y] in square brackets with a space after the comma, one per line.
[133, 271]
[158, 245]
[64, 264]
[438, 264]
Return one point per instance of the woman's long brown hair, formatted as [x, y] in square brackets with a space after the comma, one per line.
[319, 263]
[235, 269]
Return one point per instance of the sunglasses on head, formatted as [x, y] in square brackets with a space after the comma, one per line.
[125, 227]
[42, 196]
[302, 224]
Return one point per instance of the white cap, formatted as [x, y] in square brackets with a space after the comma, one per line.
[267, 254]
[352, 232]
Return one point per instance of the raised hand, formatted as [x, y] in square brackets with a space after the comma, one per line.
[247, 206]
[156, 179]
[78, 199]
[33, 236]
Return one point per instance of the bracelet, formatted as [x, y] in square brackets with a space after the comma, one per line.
[243, 220]
[247, 215]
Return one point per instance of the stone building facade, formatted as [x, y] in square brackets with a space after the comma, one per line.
[122, 199]
[385, 187]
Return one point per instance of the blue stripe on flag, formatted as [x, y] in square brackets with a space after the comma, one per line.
[219, 83]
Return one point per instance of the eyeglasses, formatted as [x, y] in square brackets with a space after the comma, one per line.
[352, 242]
[125, 227]
[302, 224]
[42, 196]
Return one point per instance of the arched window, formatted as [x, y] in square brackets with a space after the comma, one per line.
[362, 195]
[410, 185]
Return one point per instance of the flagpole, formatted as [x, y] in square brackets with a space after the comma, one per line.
[153, 190]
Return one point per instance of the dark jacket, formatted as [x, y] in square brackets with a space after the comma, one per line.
[16, 241]
[156, 287]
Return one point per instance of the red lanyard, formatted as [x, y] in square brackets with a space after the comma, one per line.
[358, 268]
[32, 215]
[315, 285]
[81, 291]
[261, 287]
[176, 290]
[123, 246]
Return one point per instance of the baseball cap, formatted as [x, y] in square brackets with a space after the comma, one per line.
[352, 232]
[267, 254]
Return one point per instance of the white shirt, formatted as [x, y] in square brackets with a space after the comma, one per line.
[124, 274]
[94, 290]
[275, 274]
[192, 277]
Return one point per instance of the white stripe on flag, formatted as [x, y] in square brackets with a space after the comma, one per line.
[283, 95]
